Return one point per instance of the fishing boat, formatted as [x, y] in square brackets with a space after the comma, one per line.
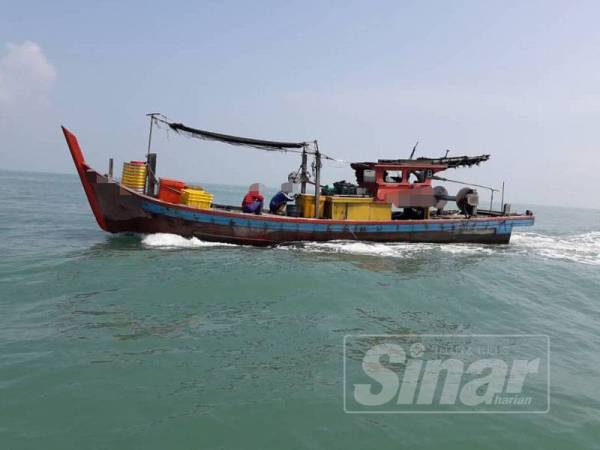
[393, 200]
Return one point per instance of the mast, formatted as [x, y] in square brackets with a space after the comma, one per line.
[152, 116]
[151, 161]
[317, 180]
[413, 151]
[303, 176]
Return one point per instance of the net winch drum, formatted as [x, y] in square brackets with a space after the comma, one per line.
[440, 193]
[467, 200]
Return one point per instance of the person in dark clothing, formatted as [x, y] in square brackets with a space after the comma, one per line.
[279, 201]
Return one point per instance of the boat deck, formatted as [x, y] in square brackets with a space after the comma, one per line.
[449, 215]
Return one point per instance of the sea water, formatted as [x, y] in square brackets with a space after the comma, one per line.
[159, 341]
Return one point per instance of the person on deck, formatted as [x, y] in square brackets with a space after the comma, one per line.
[253, 202]
[279, 202]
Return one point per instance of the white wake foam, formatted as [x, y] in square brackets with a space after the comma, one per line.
[468, 249]
[393, 250]
[582, 248]
[364, 248]
[166, 240]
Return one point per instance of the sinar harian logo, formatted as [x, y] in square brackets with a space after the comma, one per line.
[439, 373]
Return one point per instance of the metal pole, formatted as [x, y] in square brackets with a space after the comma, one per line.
[413, 150]
[435, 177]
[502, 202]
[492, 201]
[110, 167]
[151, 174]
[317, 180]
[303, 171]
[150, 162]
[151, 115]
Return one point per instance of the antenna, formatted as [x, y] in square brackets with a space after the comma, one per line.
[413, 150]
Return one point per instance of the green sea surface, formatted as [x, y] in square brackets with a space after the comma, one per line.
[160, 342]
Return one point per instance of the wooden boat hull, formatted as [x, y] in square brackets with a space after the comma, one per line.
[119, 209]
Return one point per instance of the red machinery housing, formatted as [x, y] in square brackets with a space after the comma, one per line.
[403, 183]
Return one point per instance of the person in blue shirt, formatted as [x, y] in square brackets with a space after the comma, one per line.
[279, 201]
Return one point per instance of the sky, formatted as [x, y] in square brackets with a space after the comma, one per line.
[517, 79]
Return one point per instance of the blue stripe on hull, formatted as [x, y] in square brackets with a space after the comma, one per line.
[500, 226]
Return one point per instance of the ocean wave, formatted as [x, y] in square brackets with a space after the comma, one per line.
[581, 248]
[174, 241]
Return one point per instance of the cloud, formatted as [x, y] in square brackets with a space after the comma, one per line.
[26, 76]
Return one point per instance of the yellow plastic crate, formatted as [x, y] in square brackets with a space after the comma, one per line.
[335, 209]
[348, 208]
[359, 209]
[381, 211]
[134, 175]
[307, 204]
[356, 208]
[196, 198]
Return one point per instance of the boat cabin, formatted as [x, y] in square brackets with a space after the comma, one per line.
[403, 183]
